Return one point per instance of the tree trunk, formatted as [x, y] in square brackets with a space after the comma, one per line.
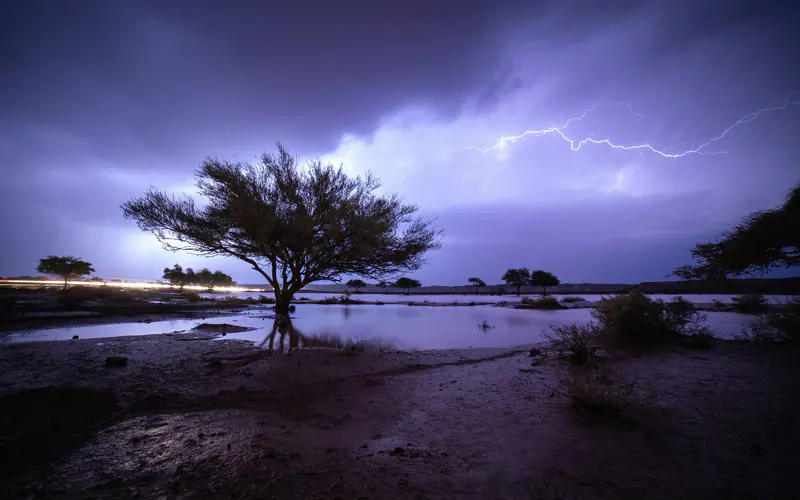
[476, 290]
[518, 287]
[65, 283]
[545, 290]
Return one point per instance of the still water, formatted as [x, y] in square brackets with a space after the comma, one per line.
[401, 326]
[467, 298]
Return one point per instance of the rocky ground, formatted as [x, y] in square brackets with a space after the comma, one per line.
[198, 416]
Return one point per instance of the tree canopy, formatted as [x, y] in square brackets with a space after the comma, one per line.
[177, 277]
[543, 279]
[764, 240]
[293, 225]
[477, 283]
[356, 284]
[517, 277]
[384, 284]
[406, 284]
[68, 268]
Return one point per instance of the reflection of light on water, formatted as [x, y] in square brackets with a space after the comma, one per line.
[131, 284]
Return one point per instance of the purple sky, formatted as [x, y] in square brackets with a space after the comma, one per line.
[101, 99]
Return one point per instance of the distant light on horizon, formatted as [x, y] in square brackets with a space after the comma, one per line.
[129, 284]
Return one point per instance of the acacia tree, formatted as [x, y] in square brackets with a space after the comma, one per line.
[68, 268]
[407, 284]
[175, 276]
[517, 277]
[543, 279]
[221, 279]
[384, 284]
[356, 284]
[763, 241]
[292, 225]
[477, 283]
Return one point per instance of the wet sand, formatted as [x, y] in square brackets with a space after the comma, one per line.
[196, 416]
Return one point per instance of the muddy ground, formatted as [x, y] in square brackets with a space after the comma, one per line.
[215, 418]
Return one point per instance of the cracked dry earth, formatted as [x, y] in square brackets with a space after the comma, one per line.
[220, 419]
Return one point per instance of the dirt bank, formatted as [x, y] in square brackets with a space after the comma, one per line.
[221, 419]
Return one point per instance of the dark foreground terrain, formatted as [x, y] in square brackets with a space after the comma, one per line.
[189, 416]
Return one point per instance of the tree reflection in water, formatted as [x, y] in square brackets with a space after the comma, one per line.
[283, 326]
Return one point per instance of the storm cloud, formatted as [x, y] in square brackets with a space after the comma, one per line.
[101, 99]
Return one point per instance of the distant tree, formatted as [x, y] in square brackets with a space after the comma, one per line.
[406, 284]
[293, 225]
[175, 276]
[191, 277]
[221, 279]
[517, 277]
[67, 268]
[763, 241]
[543, 279]
[356, 284]
[96, 278]
[477, 283]
[204, 278]
[384, 284]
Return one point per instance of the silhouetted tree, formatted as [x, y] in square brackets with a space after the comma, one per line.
[221, 279]
[356, 284]
[517, 277]
[384, 284]
[543, 279]
[293, 226]
[477, 283]
[175, 276]
[191, 277]
[763, 241]
[406, 284]
[204, 278]
[68, 268]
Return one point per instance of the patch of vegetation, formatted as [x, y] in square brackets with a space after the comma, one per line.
[571, 299]
[750, 303]
[635, 317]
[778, 326]
[485, 326]
[576, 339]
[191, 296]
[263, 299]
[542, 303]
[601, 392]
[79, 295]
[718, 304]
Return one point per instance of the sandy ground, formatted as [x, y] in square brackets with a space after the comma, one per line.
[222, 419]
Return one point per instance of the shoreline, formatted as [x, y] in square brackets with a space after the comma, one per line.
[217, 418]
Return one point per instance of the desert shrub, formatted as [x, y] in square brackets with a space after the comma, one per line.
[575, 338]
[749, 303]
[191, 296]
[600, 392]
[570, 299]
[485, 326]
[329, 300]
[542, 303]
[263, 299]
[776, 326]
[78, 295]
[718, 304]
[636, 317]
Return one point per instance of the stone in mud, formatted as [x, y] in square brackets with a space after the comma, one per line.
[74, 337]
[117, 361]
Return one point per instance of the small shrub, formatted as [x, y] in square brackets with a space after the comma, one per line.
[600, 392]
[750, 303]
[718, 304]
[571, 299]
[636, 317]
[575, 338]
[485, 326]
[191, 296]
[777, 326]
[542, 303]
[263, 299]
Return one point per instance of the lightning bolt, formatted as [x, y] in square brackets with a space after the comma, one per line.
[697, 148]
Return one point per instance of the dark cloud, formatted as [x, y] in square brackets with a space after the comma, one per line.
[102, 98]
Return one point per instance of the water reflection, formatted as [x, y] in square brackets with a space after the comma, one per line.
[400, 325]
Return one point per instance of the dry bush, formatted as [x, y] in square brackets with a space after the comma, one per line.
[750, 303]
[777, 326]
[601, 392]
[569, 299]
[635, 317]
[575, 338]
[542, 303]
